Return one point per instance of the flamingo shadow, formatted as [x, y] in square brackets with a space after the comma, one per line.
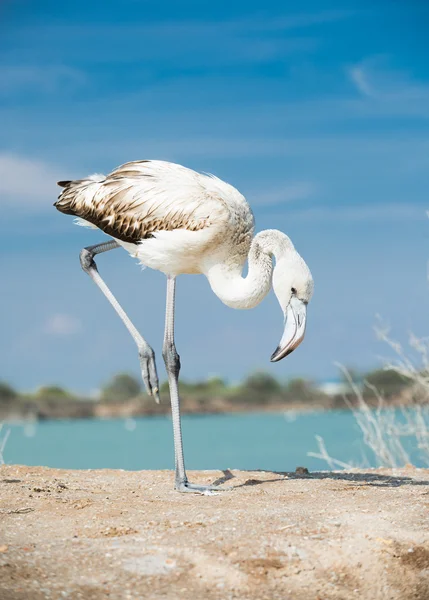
[372, 479]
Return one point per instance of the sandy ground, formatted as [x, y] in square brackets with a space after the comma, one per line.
[96, 535]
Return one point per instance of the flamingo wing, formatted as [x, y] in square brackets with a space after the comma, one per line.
[140, 198]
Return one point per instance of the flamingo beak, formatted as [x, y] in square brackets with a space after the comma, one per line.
[294, 331]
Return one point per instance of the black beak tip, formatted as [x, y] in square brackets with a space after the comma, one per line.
[274, 355]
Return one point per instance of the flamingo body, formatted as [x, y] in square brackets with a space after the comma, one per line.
[170, 217]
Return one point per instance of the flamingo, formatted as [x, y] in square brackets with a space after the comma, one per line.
[178, 221]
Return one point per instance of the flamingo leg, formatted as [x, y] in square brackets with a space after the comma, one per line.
[146, 354]
[172, 365]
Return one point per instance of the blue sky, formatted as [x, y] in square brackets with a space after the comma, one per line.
[318, 114]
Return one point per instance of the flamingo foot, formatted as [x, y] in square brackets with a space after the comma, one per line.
[206, 490]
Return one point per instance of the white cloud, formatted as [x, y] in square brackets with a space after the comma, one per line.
[192, 27]
[374, 79]
[300, 20]
[359, 77]
[26, 182]
[379, 212]
[301, 190]
[62, 325]
[47, 79]
[200, 43]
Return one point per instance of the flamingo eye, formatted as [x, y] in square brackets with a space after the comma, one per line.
[293, 290]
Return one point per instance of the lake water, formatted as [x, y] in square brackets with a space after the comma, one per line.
[278, 442]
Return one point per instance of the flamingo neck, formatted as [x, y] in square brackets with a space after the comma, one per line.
[236, 291]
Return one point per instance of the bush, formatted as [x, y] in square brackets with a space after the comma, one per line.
[121, 388]
[7, 393]
[210, 387]
[387, 382]
[52, 392]
[298, 390]
[259, 387]
[262, 383]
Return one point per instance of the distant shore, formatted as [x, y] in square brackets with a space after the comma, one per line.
[87, 409]
[122, 397]
[134, 409]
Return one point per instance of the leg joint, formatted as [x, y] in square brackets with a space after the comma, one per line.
[145, 352]
[171, 358]
[87, 260]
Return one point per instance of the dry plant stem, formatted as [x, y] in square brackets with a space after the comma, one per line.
[3, 443]
[403, 364]
[383, 432]
[324, 455]
[417, 371]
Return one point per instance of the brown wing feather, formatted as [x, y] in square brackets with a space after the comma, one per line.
[141, 198]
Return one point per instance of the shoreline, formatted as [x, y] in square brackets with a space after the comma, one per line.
[273, 409]
[82, 410]
[25, 419]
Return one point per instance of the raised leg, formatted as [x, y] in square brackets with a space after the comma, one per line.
[172, 364]
[146, 354]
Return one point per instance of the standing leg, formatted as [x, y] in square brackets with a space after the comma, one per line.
[146, 354]
[172, 364]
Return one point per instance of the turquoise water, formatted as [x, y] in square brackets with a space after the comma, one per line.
[243, 441]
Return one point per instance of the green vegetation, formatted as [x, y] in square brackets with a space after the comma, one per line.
[121, 388]
[387, 382]
[7, 394]
[300, 388]
[259, 385]
[53, 392]
[258, 390]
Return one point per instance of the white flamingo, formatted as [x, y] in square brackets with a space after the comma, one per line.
[179, 221]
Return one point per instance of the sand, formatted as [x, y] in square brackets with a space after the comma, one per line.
[107, 534]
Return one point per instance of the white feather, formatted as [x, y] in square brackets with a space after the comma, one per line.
[98, 177]
[83, 223]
